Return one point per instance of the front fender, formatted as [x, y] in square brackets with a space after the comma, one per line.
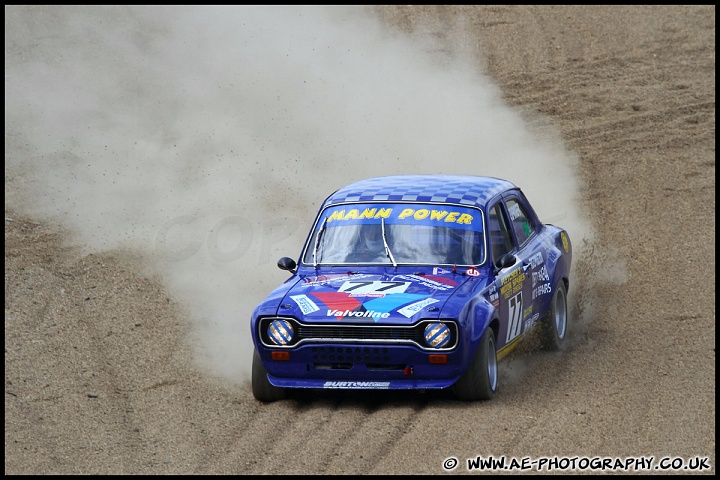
[475, 319]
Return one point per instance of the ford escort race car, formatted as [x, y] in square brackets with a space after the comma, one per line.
[413, 282]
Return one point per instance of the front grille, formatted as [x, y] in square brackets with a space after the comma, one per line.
[353, 334]
[344, 357]
[337, 332]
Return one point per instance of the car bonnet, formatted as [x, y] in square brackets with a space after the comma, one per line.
[399, 299]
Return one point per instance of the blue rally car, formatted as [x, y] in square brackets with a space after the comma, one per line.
[413, 282]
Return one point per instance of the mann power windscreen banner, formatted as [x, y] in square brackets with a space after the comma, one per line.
[450, 216]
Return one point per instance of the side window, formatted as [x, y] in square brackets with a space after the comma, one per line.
[521, 224]
[500, 238]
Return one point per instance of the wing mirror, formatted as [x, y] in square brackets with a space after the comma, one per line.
[507, 260]
[287, 263]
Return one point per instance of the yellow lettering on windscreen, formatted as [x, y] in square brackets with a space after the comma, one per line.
[407, 213]
[465, 219]
[383, 213]
[437, 215]
[352, 214]
[421, 214]
[336, 215]
[368, 213]
[355, 214]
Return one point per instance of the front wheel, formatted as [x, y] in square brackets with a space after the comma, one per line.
[555, 326]
[262, 389]
[480, 381]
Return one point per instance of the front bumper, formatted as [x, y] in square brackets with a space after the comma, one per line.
[362, 366]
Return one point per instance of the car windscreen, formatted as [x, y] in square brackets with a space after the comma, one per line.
[386, 233]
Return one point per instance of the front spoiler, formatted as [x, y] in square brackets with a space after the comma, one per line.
[361, 384]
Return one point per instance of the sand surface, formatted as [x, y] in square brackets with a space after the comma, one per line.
[102, 369]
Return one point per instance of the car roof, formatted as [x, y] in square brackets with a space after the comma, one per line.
[440, 188]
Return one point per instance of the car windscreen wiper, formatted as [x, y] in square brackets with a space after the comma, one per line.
[317, 241]
[387, 247]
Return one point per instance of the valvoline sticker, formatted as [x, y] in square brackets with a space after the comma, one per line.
[369, 296]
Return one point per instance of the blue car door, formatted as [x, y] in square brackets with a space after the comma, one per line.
[531, 255]
[511, 285]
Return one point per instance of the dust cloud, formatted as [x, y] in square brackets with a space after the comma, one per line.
[207, 137]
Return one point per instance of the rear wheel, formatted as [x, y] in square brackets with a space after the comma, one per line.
[555, 326]
[480, 381]
[262, 389]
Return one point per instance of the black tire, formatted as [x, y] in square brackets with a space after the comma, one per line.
[262, 389]
[480, 381]
[555, 325]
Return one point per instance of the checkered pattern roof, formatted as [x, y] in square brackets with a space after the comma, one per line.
[462, 189]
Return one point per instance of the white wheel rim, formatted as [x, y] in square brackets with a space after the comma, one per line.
[560, 314]
[492, 366]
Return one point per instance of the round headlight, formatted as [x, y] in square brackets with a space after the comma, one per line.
[280, 332]
[437, 335]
